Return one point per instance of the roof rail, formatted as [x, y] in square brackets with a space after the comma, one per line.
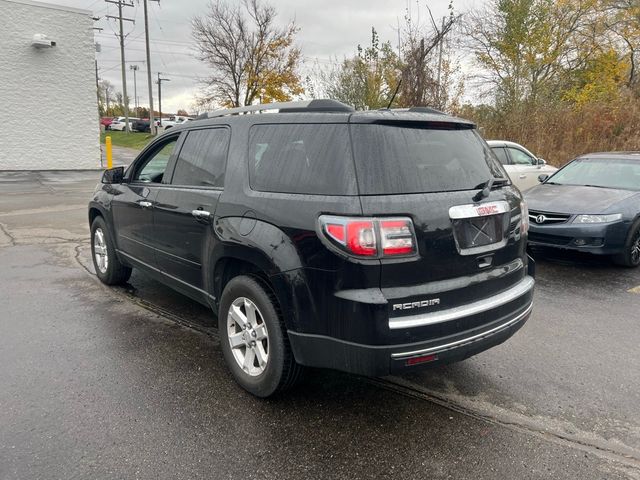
[327, 106]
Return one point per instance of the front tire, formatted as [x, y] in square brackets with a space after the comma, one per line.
[630, 256]
[108, 267]
[253, 338]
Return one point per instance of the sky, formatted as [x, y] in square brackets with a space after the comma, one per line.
[329, 29]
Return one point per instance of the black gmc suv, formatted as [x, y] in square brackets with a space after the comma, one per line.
[369, 242]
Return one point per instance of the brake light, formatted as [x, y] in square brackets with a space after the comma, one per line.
[524, 220]
[361, 236]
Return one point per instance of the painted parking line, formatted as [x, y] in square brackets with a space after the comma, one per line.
[635, 290]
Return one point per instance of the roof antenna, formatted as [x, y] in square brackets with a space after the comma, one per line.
[394, 94]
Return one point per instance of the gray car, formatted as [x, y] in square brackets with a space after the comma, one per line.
[592, 204]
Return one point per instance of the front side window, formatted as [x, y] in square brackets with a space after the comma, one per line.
[301, 158]
[202, 159]
[153, 168]
[518, 157]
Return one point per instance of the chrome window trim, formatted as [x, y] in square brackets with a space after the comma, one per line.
[421, 320]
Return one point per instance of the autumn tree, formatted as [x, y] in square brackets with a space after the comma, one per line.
[251, 57]
[523, 47]
[366, 80]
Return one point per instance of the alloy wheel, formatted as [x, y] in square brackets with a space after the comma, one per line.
[100, 250]
[248, 336]
[635, 249]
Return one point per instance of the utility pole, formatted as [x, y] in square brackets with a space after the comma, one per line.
[160, 80]
[152, 125]
[135, 87]
[440, 63]
[120, 4]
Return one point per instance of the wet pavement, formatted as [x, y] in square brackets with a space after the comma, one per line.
[100, 382]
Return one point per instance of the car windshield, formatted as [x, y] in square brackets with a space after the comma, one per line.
[420, 158]
[600, 172]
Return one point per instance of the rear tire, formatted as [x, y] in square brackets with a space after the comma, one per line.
[630, 256]
[108, 267]
[253, 338]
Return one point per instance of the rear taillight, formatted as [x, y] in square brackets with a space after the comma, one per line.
[370, 237]
[524, 220]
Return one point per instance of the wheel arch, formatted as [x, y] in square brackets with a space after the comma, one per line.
[242, 261]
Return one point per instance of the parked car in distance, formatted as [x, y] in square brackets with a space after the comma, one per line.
[119, 123]
[174, 120]
[370, 242]
[522, 166]
[592, 204]
[106, 121]
[142, 125]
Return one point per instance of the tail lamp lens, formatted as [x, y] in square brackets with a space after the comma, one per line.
[360, 236]
[397, 237]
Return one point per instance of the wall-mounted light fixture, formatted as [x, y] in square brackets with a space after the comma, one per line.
[42, 41]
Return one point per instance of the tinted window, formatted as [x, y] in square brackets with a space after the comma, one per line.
[501, 154]
[301, 158]
[404, 158]
[609, 173]
[156, 163]
[518, 157]
[202, 158]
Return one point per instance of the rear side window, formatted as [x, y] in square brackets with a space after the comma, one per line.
[501, 154]
[301, 158]
[202, 159]
[406, 158]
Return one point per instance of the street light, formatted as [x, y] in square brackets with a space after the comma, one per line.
[160, 80]
[135, 87]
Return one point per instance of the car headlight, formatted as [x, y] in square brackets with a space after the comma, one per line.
[597, 218]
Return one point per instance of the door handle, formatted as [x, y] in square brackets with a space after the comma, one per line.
[145, 204]
[201, 214]
[522, 177]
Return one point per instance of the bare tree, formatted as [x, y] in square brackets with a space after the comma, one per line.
[251, 58]
[423, 63]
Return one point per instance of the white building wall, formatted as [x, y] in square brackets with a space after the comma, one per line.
[48, 105]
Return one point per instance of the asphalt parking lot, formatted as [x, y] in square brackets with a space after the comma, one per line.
[129, 383]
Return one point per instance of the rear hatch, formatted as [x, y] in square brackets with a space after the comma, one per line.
[469, 244]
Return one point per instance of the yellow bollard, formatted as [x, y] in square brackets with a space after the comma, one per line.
[107, 145]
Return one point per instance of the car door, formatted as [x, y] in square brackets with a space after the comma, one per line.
[524, 167]
[184, 209]
[132, 206]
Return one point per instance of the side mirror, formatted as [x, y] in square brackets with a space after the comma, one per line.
[543, 178]
[542, 161]
[113, 175]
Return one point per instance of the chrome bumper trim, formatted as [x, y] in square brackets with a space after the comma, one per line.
[464, 341]
[523, 287]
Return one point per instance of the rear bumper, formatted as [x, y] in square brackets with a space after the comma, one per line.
[601, 239]
[379, 360]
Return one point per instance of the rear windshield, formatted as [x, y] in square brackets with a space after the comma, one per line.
[301, 158]
[404, 158]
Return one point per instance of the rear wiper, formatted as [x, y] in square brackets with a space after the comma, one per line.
[486, 187]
